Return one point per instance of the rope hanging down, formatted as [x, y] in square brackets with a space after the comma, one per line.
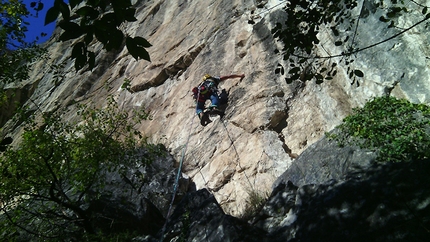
[176, 184]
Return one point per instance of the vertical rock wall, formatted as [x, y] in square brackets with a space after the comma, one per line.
[267, 121]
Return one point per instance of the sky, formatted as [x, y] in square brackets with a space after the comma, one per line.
[37, 23]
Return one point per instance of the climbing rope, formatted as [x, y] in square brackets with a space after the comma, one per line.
[237, 153]
[176, 184]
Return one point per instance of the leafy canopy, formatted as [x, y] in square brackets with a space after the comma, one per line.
[299, 35]
[99, 19]
[15, 53]
[396, 128]
[49, 181]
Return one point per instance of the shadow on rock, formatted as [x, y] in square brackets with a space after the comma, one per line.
[199, 217]
[381, 203]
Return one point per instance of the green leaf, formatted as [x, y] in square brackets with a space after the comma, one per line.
[391, 14]
[288, 80]
[319, 78]
[79, 51]
[137, 50]
[89, 37]
[142, 42]
[39, 7]
[109, 21]
[294, 70]
[143, 54]
[358, 73]
[51, 15]
[70, 26]
[72, 31]
[74, 3]
[335, 31]
[63, 8]
[129, 15]
[89, 12]
[115, 40]
[295, 76]
[101, 34]
[383, 19]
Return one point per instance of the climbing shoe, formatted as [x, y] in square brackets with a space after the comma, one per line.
[216, 111]
[204, 118]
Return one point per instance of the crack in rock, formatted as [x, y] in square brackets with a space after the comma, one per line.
[180, 65]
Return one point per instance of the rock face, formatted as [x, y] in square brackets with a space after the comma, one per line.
[376, 204]
[324, 196]
[267, 122]
[340, 196]
[199, 217]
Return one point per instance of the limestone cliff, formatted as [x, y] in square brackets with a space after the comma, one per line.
[267, 123]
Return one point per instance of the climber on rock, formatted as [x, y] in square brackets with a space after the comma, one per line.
[208, 89]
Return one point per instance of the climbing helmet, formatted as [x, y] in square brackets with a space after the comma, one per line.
[206, 76]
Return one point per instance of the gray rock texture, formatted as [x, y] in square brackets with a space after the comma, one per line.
[354, 200]
[328, 162]
[267, 122]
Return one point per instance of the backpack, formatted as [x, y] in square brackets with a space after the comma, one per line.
[223, 97]
[210, 85]
[204, 88]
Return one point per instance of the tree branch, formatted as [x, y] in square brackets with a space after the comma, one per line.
[364, 48]
[10, 219]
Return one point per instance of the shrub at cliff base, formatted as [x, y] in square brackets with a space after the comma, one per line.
[396, 128]
[50, 179]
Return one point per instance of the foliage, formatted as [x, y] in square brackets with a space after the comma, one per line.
[186, 222]
[397, 129]
[126, 85]
[15, 53]
[49, 181]
[13, 27]
[255, 203]
[16, 64]
[99, 19]
[299, 36]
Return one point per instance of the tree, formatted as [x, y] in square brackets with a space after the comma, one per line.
[395, 128]
[13, 47]
[305, 20]
[16, 55]
[84, 20]
[99, 19]
[50, 180]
